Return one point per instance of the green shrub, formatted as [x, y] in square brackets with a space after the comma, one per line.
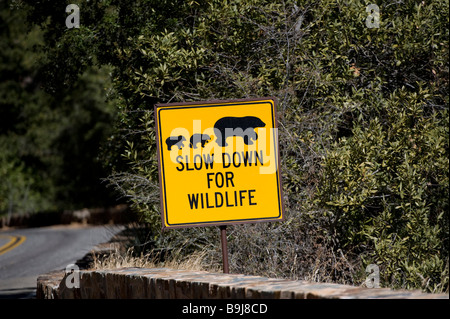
[384, 188]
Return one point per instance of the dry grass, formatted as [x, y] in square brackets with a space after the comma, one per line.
[195, 261]
[278, 250]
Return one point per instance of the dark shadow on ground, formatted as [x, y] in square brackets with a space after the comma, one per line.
[18, 293]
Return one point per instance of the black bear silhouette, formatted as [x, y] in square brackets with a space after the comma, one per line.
[175, 140]
[199, 138]
[237, 126]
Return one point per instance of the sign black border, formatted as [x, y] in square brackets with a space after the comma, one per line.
[216, 103]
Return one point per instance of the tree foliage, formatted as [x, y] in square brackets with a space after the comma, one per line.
[48, 138]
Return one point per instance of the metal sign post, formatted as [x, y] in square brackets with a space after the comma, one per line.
[223, 237]
[219, 164]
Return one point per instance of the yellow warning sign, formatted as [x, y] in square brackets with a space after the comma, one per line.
[218, 163]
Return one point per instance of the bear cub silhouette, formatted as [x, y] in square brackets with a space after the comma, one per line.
[199, 138]
[237, 126]
[175, 141]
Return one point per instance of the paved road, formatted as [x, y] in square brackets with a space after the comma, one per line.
[27, 253]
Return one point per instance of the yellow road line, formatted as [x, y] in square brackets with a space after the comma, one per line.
[13, 243]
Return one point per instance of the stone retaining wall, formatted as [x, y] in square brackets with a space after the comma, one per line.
[164, 283]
